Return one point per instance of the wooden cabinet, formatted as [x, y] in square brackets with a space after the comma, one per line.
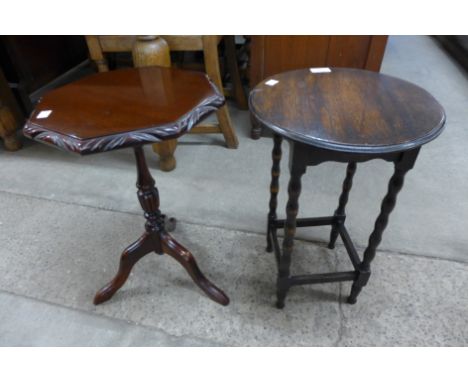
[30, 63]
[275, 54]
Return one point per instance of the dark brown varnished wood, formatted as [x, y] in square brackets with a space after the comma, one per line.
[131, 107]
[347, 116]
[155, 50]
[271, 55]
[128, 259]
[343, 200]
[292, 208]
[274, 186]
[402, 166]
[155, 239]
[348, 110]
[122, 108]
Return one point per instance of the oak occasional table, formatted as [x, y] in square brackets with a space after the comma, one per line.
[342, 115]
[130, 108]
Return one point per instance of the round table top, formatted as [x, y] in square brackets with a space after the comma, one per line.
[121, 108]
[349, 110]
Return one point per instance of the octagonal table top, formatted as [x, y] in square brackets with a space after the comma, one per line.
[348, 110]
[122, 108]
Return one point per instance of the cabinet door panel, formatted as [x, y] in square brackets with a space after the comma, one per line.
[294, 52]
[348, 51]
[276, 54]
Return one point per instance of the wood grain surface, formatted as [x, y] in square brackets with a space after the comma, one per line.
[122, 108]
[350, 110]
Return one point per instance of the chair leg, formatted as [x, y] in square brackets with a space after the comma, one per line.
[96, 54]
[233, 67]
[225, 125]
[8, 129]
[165, 150]
[210, 52]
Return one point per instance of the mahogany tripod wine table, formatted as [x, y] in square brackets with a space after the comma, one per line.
[341, 115]
[130, 108]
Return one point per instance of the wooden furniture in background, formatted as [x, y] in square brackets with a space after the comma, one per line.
[270, 55]
[8, 129]
[31, 62]
[28, 65]
[456, 46]
[98, 45]
[378, 117]
[130, 108]
[10, 116]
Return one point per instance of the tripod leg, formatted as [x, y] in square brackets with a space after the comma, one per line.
[186, 259]
[129, 258]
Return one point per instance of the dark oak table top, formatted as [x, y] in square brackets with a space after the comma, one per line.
[122, 108]
[348, 110]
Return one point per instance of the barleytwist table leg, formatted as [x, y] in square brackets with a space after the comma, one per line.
[274, 186]
[340, 211]
[256, 129]
[292, 207]
[388, 203]
[155, 239]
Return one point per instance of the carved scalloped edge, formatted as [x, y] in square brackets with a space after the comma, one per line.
[132, 138]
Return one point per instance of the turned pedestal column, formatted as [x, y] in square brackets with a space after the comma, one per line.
[131, 108]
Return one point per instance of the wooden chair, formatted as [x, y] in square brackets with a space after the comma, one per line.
[149, 50]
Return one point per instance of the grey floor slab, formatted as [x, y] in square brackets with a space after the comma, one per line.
[409, 301]
[29, 322]
[72, 250]
[64, 253]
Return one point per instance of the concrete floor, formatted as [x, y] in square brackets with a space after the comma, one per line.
[64, 220]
